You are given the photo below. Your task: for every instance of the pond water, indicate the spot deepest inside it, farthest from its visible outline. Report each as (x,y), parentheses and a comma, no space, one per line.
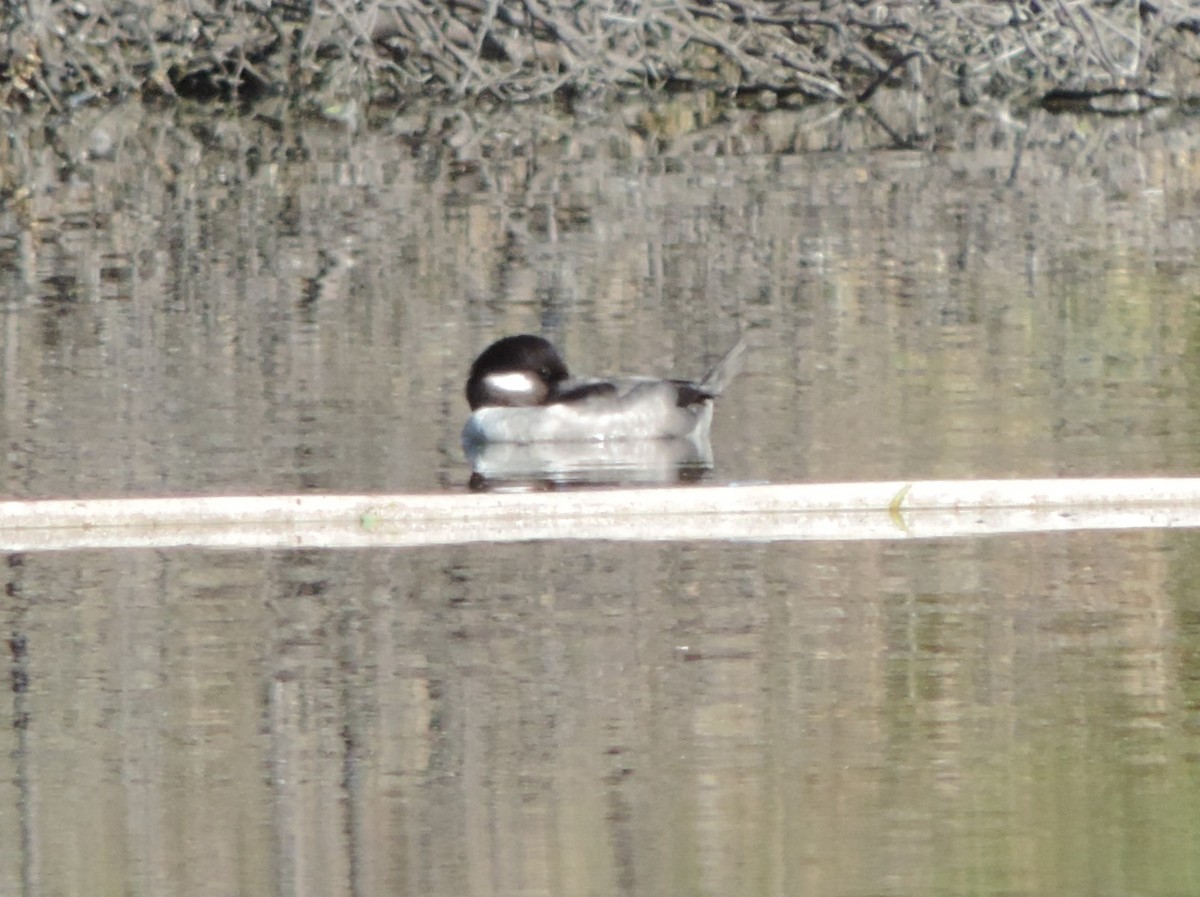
(233,308)
(243,306)
(1013,715)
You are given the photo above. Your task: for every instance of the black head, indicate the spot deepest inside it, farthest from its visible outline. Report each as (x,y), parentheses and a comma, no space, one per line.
(516,370)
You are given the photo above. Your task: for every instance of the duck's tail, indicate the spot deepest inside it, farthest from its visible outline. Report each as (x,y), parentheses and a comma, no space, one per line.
(723,372)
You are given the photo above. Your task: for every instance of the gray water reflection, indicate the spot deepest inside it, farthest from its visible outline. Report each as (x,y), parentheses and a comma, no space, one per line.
(253,307)
(248,306)
(1012,715)
(650,462)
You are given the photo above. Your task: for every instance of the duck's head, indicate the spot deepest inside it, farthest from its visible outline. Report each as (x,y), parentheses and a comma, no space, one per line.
(515,371)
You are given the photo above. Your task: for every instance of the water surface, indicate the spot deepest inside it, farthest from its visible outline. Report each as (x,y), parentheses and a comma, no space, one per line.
(244,306)
(1013,715)
(241,309)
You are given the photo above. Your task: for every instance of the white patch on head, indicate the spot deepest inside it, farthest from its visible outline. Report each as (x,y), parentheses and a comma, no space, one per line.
(513,381)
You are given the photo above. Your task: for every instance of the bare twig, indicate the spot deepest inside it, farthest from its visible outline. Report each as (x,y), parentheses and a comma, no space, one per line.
(527,48)
(485,23)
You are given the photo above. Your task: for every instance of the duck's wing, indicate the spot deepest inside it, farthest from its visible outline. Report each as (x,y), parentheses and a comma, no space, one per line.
(581,391)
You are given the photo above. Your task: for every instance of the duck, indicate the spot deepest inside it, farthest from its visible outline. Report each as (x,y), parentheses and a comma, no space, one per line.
(520,391)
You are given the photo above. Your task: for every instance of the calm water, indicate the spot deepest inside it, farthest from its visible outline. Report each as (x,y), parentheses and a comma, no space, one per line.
(244,310)
(237,307)
(1004,716)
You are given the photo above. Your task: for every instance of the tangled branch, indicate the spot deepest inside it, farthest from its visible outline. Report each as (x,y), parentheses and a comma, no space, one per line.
(805,50)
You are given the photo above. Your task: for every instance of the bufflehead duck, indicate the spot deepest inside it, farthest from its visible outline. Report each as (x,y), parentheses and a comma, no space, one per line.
(520,391)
